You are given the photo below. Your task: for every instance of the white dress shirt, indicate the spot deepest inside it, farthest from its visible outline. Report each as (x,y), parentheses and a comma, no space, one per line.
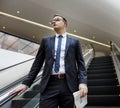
(62,54)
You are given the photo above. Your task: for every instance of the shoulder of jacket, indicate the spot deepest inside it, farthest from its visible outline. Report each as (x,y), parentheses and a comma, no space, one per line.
(75,39)
(47,37)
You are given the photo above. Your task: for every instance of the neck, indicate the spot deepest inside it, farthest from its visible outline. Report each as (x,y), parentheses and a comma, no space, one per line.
(60,31)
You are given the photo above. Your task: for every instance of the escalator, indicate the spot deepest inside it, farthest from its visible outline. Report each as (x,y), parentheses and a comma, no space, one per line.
(15,101)
(27,100)
(103,84)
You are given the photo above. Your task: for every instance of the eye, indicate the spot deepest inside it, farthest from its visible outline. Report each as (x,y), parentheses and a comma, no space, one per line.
(58,19)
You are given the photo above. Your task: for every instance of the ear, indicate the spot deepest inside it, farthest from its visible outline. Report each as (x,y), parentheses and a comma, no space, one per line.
(65,24)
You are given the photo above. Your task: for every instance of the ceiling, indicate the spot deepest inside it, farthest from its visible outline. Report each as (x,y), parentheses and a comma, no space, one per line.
(98,20)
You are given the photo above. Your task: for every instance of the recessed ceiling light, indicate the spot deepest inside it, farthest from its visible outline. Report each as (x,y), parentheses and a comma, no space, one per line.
(18,12)
(50,23)
(93,37)
(33,36)
(3,27)
(74,31)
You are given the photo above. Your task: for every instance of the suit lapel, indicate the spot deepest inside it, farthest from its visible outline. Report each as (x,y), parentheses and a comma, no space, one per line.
(67,44)
(52,45)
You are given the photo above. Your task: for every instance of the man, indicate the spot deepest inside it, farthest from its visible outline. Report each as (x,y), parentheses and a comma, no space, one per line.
(64,70)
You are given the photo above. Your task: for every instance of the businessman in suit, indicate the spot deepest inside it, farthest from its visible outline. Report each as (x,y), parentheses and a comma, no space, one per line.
(64,70)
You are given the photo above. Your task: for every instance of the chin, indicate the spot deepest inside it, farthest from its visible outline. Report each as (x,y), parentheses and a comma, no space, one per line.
(56,27)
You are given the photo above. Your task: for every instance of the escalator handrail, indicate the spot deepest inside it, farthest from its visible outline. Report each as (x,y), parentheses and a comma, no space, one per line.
(16,64)
(2,90)
(9,97)
(116,59)
(6,99)
(116,46)
(87,52)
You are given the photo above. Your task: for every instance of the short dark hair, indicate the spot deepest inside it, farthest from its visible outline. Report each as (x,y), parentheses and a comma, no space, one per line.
(64,19)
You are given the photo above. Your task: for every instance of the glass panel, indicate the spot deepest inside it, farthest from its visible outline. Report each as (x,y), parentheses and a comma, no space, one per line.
(10,43)
(16,44)
(1,39)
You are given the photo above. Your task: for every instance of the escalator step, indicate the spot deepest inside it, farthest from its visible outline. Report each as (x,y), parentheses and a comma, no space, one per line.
(103,90)
(19,102)
(102,82)
(100,71)
(102,76)
(101,61)
(100,64)
(103,100)
(100,67)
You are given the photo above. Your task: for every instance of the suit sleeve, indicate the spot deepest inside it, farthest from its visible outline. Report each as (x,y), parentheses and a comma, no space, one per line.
(81,64)
(37,64)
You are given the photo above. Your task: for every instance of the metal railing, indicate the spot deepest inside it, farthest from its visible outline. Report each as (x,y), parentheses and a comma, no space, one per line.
(115,52)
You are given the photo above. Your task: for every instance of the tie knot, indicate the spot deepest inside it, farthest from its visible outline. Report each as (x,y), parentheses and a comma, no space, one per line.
(60,36)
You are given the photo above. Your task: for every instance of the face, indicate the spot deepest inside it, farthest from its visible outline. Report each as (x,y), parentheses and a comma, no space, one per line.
(58,22)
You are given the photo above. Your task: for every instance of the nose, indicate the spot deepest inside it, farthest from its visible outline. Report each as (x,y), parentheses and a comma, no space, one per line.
(53,22)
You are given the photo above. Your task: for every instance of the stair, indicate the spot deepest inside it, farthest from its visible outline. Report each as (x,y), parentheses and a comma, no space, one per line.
(103,84)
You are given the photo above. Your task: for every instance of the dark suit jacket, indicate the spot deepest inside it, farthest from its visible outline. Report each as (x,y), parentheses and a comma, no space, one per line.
(74,64)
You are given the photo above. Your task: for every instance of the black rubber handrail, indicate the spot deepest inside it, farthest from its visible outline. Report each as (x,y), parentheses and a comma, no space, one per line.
(16,64)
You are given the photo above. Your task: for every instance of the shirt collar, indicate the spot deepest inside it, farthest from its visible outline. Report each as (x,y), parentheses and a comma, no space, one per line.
(64,35)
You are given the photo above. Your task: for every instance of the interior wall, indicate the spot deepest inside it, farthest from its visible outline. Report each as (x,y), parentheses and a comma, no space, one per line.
(99,54)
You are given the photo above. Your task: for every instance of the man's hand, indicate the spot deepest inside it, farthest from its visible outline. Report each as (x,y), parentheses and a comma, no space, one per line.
(83,90)
(19,90)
